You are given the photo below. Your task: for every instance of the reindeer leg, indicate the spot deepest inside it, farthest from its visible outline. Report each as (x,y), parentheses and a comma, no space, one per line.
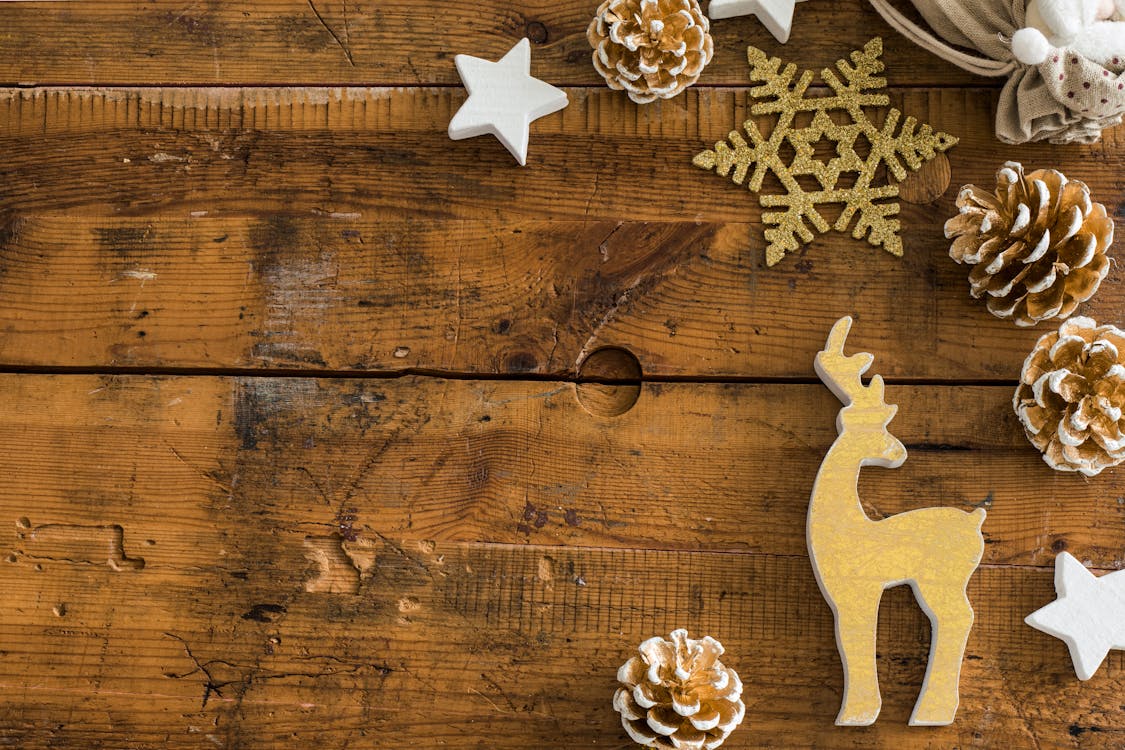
(951,619)
(857,616)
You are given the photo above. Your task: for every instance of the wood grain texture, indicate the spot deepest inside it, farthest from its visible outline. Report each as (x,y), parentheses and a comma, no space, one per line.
(340,229)
(347,149)
(345,561)
(485,647)
(437,542)
(387,42)
(690,466)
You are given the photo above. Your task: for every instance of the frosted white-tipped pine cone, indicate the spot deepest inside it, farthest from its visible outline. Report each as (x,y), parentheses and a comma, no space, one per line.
(1071,397)
(677,694)
(1037,243)
(653,49)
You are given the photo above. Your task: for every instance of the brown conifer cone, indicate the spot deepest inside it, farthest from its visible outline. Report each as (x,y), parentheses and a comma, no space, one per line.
(1071,396)
(1037,244)
(653,49)
(677,694)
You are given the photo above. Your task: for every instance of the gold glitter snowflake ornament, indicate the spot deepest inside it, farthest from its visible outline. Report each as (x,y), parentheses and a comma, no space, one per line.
(788,151)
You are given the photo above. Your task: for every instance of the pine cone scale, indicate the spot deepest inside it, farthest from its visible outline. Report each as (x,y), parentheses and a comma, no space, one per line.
(1080,251)
(1038,249)
(705,719)
(1049,304)
(1069,224)
(998,277)
(1040,278)
(1103,358)
(685,705)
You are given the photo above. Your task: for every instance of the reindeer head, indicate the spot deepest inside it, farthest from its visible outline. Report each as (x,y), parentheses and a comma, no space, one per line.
(865,415)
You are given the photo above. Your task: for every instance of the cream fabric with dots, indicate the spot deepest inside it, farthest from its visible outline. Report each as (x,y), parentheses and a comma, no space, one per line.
(1065,99)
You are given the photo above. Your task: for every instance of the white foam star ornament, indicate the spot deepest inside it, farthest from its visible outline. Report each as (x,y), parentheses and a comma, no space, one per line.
(503,99)
(1089,614)
(775,15)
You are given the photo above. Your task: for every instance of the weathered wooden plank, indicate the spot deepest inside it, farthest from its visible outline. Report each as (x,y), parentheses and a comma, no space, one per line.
(423,460)
(348,292)
(344,149)
(488,647)
(202,561)
(278,229)
(388,42)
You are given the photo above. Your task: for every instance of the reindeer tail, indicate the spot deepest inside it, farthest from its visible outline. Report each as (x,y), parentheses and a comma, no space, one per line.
(979,515)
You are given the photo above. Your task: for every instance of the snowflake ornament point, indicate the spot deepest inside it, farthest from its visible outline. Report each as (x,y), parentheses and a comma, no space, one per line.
(900,144)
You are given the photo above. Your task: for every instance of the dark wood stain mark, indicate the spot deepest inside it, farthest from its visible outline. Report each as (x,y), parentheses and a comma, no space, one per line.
(532,518)
(249,415)
(126,240)
(265,613)
(198,27)
(520,362)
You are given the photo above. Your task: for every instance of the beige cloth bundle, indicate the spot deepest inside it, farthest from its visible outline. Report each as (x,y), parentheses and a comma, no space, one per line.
(1065,99)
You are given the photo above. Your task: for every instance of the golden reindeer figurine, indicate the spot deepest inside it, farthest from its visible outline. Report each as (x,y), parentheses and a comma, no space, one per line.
(935,550)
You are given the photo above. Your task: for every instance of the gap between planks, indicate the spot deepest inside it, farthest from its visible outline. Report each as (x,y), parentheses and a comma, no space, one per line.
(416,372)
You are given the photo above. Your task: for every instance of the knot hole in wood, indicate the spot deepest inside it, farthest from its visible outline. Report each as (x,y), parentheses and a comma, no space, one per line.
(928,183)
(609,382)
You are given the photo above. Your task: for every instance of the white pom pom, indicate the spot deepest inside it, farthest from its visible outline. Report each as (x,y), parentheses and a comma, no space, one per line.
(1030,46)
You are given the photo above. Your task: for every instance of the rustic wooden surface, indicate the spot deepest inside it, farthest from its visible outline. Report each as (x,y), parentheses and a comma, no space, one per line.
(301,442)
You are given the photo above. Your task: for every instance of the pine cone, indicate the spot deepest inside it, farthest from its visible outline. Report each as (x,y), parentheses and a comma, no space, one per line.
(654,49)
(678,694)
(1071,397)
(1037,246)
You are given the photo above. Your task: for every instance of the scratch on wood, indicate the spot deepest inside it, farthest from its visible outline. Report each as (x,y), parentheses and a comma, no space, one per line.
(298,290)
(593,194)
(206,475)
(347,31)
(603,246)
(337,214)
(609,316)
(210,685)
(344,47)
(490,701)
(543,395)
(143,274)
(79,545)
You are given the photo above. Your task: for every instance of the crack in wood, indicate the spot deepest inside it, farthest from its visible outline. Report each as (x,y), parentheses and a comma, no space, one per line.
(335,36)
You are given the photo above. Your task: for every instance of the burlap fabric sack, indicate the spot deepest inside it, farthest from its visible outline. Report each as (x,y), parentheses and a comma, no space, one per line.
(1065,99)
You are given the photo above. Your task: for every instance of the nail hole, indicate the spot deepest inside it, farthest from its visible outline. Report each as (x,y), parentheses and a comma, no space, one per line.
(609,382)
(536,32)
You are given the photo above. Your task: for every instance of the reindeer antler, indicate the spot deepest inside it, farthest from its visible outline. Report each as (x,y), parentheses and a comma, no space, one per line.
(842,374)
